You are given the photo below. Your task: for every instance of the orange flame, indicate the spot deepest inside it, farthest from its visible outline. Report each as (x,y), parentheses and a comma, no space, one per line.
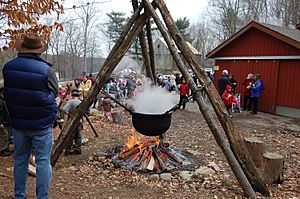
(138,140)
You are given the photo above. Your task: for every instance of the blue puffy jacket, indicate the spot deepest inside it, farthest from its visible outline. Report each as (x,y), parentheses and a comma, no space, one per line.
(30,91)
(257,88)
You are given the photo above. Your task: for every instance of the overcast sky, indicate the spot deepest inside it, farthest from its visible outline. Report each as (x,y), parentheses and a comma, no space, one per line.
(191,9)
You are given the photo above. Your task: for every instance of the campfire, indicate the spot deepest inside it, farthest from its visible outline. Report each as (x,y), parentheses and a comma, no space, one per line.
(149,154)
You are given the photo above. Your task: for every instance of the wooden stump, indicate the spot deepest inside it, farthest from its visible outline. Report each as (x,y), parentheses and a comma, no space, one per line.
(256,149)
(272,168)
(118,117)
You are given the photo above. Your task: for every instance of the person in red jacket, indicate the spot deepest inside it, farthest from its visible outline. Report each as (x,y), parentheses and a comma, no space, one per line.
(184,92)
(247,83)
(228,98)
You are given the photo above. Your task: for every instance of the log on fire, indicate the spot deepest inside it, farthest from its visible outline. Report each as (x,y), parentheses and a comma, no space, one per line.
(149,156)
(126,154)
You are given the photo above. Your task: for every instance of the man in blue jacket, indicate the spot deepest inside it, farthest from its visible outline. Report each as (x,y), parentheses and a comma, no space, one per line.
(256,90)
(30,89)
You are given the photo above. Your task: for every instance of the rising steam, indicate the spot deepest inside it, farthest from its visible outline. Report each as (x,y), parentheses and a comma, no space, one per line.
(152,99)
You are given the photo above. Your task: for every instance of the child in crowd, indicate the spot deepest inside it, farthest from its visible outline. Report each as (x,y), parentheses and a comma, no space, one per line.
(107,106)
(184,93)
(69,109)
(228,97)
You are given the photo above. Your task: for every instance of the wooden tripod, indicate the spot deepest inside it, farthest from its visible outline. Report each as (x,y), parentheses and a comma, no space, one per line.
(236,152)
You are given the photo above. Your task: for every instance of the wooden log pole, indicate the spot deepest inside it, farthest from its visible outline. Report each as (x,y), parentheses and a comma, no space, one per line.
(151,51)
(236,168)
(272,168)
(131,30)
(256,149)
(236,142)
(143,44)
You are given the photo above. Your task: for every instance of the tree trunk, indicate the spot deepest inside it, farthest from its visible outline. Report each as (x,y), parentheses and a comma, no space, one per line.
(143,46)
(256,149)
(272,168)
(236,142)
(120,48)
(237,170)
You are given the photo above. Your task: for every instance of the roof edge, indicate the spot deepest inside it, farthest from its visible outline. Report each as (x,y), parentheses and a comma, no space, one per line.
(260,27)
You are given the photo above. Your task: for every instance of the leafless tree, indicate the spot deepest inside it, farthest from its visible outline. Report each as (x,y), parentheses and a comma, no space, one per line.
(73,46)
(225,16)
(287,11)
(202,38)
(257,10)
(88,16)
(55,48)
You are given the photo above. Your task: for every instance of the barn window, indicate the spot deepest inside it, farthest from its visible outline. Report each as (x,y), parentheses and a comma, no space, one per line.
(158,46)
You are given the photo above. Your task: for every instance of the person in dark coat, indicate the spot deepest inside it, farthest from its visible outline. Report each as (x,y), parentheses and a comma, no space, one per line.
(233,82)
(32,108)
(223,81)
(177,79)
(195,79)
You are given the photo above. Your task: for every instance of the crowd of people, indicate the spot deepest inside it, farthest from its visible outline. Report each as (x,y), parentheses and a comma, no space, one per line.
(252,89)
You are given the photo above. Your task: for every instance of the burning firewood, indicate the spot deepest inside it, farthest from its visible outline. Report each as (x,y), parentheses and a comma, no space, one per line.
(149,155)
(151,164)
(160,161)
(129,153)
(169,154)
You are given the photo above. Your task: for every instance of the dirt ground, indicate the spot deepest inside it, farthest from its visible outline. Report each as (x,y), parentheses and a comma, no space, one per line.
(81,176)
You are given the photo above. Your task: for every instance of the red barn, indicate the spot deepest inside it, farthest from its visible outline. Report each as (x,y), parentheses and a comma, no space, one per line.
(273,52)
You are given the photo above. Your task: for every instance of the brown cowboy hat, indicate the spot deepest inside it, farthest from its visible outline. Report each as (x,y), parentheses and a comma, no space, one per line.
(32,43)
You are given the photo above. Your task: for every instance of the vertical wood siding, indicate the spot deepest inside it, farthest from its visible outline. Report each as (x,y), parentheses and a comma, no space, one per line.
(289,84)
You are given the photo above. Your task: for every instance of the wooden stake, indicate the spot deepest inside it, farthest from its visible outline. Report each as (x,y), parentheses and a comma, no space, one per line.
(91,125)
(203,108)
(236,142)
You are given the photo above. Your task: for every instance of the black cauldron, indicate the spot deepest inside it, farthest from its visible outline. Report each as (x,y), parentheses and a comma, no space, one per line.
(151,124)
